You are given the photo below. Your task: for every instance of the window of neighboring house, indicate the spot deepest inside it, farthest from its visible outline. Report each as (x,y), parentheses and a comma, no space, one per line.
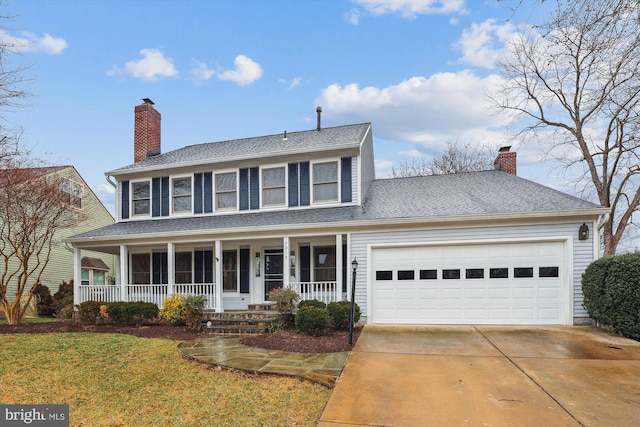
(226,189)
(141,197)
(72,193)
(325,264)
(140,269)
(182,194)
(183,267)
(325,182)
(273,187)
(85,277)
(230,271)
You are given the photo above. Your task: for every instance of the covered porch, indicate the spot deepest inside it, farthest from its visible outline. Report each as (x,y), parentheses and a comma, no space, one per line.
(232,273)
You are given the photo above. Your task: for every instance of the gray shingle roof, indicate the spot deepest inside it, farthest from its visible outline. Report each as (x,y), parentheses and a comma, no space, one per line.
(255,147)
(456,195)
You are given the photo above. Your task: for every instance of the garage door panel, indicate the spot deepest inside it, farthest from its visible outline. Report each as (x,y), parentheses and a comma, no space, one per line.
(488,294)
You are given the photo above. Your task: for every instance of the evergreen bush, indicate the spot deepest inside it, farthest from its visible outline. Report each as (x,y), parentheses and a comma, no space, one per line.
(340,313)
(311,303)
(312,320)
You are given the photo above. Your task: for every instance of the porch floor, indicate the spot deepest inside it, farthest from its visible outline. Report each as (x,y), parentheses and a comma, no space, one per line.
(226,351)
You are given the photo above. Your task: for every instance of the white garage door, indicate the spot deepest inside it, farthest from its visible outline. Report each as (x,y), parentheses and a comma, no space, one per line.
(515,283)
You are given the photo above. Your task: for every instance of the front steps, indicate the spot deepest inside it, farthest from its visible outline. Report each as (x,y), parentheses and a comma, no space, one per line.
(255,320)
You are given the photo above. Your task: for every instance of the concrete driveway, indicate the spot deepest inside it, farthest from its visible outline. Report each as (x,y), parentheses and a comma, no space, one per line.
(488,376)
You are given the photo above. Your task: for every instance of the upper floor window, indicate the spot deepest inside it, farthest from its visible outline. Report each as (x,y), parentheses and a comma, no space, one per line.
(72,193)
(226,189)
(325,182)
(141,197)
(182,194)
(273,186)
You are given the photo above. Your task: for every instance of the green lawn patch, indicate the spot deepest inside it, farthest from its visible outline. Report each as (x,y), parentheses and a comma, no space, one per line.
(122,380)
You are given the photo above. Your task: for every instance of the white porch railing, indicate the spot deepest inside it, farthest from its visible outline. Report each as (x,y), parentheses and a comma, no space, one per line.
(155,294)
(322,291)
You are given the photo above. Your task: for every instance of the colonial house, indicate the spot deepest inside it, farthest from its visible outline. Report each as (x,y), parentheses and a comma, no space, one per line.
(95,266)
(234,219)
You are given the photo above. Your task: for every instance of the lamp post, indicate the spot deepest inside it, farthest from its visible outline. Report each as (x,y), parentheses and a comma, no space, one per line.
(354,267)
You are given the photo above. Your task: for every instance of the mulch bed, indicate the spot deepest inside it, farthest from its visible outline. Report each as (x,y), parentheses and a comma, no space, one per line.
(333,341)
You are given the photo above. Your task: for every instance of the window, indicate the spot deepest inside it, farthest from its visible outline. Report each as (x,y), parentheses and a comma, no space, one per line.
(325,264)
(230,271)
(548,272)
(85,277)
(406,274)
(183,267)
(450,274)
(182,194)
(226,191)
(141,198)
(474,273)
(140,269)
(325,182)
(203,260)
(92,276)
(499,273)
(428,274)
(384,275)
(72,193)
(273,188)
(523,272)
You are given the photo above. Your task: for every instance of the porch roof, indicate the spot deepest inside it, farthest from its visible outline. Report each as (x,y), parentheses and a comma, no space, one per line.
(489,195)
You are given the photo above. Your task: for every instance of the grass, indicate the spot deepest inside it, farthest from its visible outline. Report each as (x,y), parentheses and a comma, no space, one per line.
(3,321)
(122,380)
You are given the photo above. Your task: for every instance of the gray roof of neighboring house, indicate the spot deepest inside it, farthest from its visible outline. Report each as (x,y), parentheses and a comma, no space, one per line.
(455,195)
(255,147)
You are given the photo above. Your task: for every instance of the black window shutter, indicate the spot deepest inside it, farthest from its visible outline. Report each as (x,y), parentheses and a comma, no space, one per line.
(124,202)
(155,197)
(198,261)
(293,184)
(305,194)
(208,193)
(345,172)
(305,263)
(165,195)
(345,268)
(254,187)
(245,266)
(197,193)
(208,266)
(244,189)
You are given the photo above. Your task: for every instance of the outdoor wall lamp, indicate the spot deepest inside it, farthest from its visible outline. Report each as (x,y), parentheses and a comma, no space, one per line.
(354,267)
(583,232)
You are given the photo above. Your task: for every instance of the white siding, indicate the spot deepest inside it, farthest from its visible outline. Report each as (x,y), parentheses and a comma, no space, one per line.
(582,250)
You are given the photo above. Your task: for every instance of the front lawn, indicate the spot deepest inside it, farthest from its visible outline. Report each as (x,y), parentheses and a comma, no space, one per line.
(122,380)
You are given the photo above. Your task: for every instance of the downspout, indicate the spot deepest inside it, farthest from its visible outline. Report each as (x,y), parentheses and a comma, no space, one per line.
(108,178)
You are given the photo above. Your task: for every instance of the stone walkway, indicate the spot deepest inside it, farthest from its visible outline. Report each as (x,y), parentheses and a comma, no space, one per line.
(226,351)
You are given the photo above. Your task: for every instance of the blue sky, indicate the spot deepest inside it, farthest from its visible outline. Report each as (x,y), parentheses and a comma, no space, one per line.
(218,70)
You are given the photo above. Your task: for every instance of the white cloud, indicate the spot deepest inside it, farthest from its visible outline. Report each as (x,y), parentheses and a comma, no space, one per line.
(153,65)
(31,43)
(411,153)
(246,72)
(200,72)
(353,17)
(410,9)
(483,44)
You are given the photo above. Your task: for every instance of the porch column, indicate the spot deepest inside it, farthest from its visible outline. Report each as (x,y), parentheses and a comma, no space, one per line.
(218,258)
(77,274)
(171,267)
(124,277)
(338,294)
(286,254)
(116,270)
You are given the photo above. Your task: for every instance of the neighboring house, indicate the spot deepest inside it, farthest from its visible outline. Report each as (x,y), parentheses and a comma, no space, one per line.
(235,219)
(80,196)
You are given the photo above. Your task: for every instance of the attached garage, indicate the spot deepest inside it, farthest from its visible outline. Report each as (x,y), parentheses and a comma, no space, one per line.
(519,282)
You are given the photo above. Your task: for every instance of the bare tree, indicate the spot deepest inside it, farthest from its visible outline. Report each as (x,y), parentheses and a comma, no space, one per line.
(454,160)
(576,83)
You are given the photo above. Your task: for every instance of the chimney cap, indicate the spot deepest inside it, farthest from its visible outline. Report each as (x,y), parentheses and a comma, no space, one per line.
(147,101)
(504,149)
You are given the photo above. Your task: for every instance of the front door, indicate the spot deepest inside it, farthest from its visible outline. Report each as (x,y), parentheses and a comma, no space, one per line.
(273,270)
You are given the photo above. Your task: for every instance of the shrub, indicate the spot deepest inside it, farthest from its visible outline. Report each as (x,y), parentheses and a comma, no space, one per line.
(63,297)
(89,312)
(312,320)
(286,300)
(340,312)
(312,303)
(44,300)
(611,288)
(132,313)
(66,313)
(195,310)
(183,310)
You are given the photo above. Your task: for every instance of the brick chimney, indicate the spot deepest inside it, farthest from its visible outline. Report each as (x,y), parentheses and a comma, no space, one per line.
(146,131)
(506,161)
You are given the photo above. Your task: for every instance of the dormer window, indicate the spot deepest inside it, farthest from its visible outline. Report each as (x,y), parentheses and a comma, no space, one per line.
(273,187)
(226,191)
(325,182)
(141,197)
(182,194)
